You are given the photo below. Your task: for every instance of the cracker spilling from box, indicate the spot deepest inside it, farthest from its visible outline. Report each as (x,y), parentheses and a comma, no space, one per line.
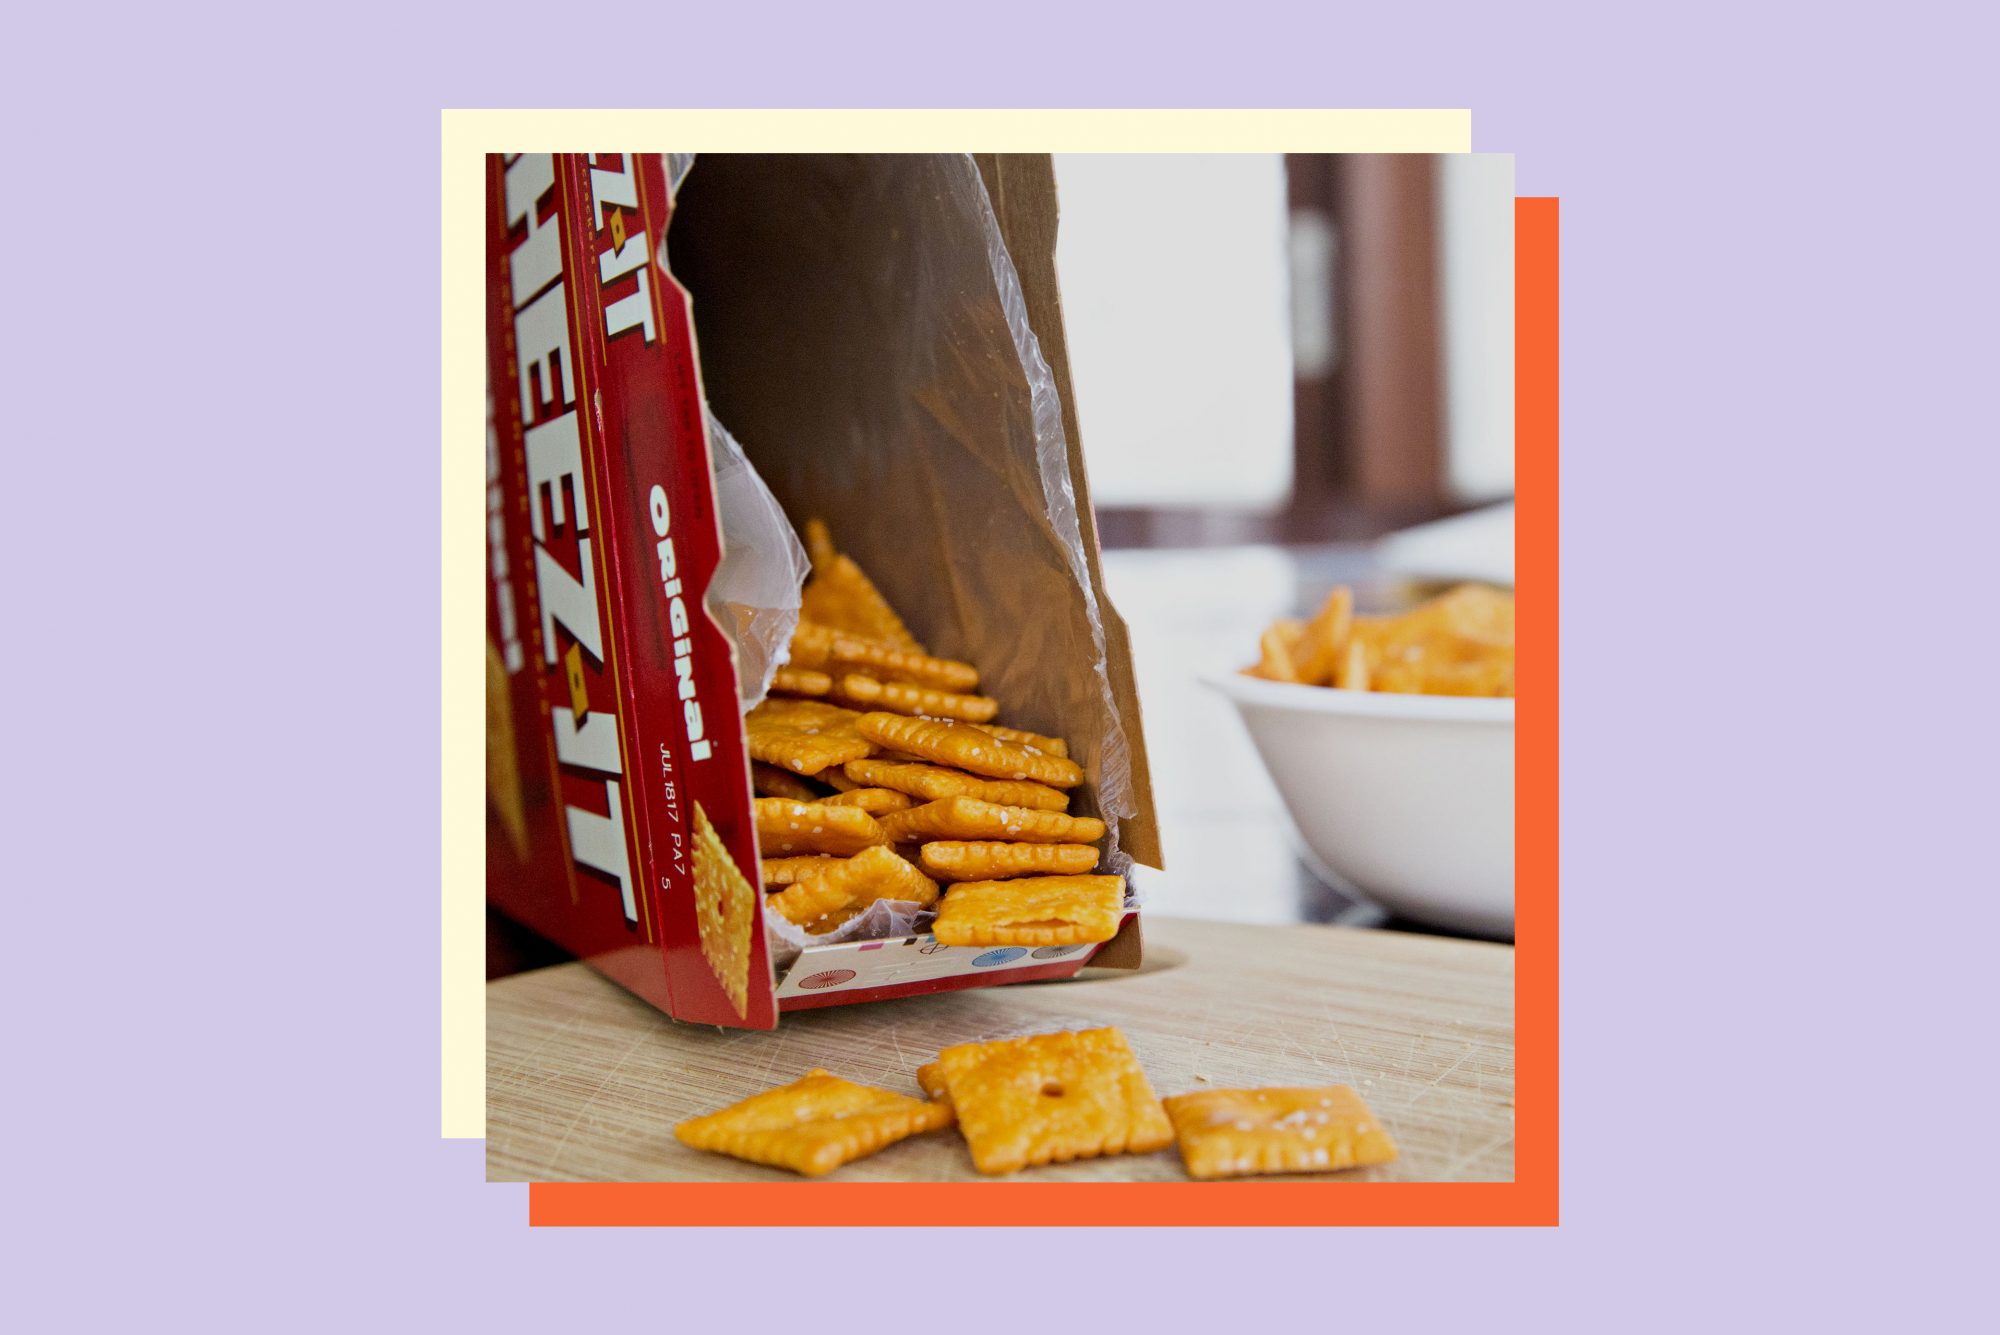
(887,348)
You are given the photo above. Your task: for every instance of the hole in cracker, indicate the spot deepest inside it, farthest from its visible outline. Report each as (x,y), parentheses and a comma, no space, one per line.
(1052,1089)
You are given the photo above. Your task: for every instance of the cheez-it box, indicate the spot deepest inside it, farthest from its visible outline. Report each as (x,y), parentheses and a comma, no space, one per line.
(886,345)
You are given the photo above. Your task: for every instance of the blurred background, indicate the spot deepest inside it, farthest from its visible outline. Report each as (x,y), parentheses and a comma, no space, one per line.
(1331,364)
(1335,347)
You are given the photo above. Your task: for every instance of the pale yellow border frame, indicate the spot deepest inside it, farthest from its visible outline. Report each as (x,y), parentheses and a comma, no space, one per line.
(467,136)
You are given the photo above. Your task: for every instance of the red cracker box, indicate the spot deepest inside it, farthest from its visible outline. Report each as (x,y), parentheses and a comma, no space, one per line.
(868,329)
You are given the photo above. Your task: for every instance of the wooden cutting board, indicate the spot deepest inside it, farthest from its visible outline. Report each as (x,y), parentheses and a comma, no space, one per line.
(584,1081)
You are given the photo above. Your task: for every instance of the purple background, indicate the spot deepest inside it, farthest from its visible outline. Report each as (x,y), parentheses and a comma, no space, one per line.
(222,376)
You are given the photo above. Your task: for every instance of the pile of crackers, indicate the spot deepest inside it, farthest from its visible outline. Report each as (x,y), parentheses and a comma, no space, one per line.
(1458,643)
(1048,1098)
(880,772)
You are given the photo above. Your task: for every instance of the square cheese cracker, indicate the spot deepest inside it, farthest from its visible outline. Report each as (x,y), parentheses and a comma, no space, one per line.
(1234,1132)
(1031,911)
(1050,1098)
(813,1125)
(786,828)
(803,736)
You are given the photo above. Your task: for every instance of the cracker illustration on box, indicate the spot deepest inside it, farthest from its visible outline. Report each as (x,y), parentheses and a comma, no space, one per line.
(723,904)
(503,756)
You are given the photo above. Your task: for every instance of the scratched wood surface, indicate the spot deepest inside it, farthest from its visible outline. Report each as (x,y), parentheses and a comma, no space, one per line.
(585,1082)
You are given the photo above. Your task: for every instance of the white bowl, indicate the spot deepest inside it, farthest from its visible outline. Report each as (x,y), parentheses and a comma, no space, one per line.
(1408,798)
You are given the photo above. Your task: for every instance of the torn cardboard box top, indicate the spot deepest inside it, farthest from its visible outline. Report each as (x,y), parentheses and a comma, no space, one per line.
(883,337)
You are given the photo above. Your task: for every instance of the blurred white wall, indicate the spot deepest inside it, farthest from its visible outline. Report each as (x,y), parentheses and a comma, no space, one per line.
(1176,302)
(1476,255)
(1176,288)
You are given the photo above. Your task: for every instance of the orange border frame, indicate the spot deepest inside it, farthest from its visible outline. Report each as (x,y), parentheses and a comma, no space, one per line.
(1532,1198)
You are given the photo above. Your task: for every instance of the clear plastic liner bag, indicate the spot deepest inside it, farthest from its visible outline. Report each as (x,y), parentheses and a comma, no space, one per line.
(880,920)
(755,593)
(676,166)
